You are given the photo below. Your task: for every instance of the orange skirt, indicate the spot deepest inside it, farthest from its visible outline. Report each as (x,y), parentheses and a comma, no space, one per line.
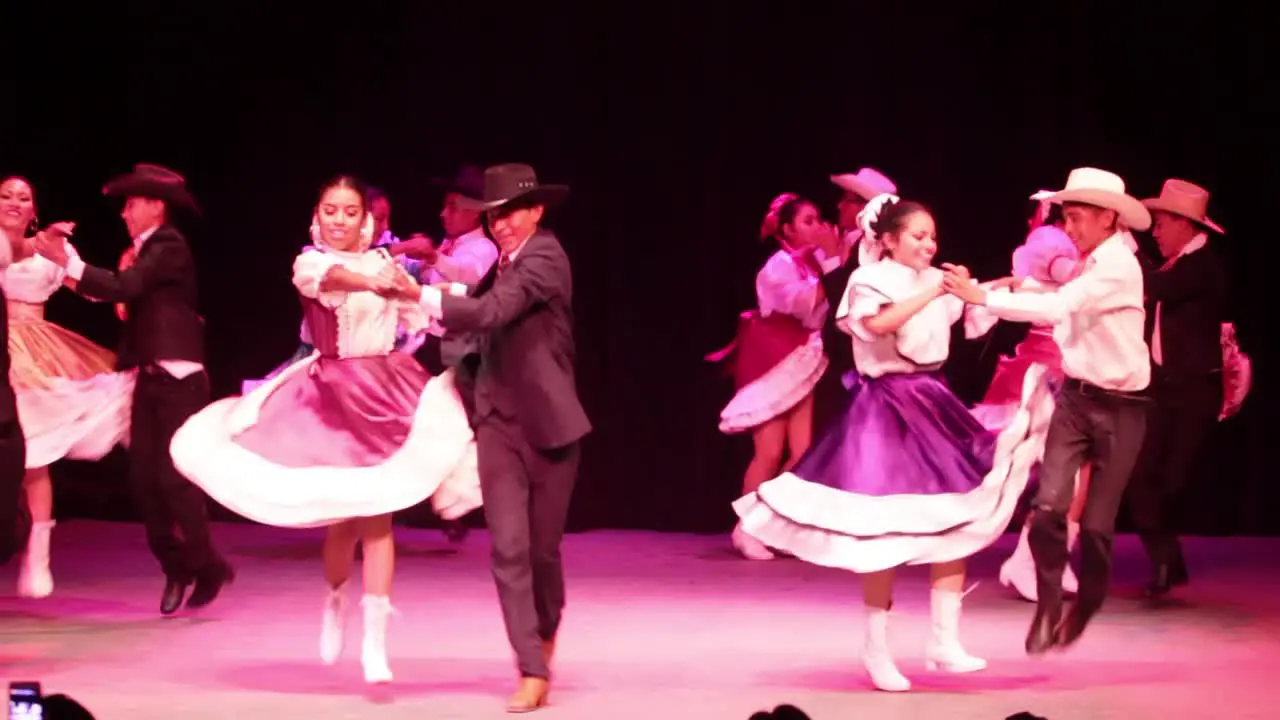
(40,351)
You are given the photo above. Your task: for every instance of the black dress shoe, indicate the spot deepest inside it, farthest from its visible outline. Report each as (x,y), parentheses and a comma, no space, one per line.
(171,600)
(1072,626)
(1043,635)
(1165,579)
(209,584)
(456,530)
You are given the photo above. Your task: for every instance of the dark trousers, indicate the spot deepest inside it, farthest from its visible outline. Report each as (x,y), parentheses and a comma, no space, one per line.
(526,501)
(166,500)
(15,521)
(1182,415)
(1106,429)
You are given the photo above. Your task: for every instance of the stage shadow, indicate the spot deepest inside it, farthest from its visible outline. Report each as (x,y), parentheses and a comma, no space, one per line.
(1002,676)
(414,678)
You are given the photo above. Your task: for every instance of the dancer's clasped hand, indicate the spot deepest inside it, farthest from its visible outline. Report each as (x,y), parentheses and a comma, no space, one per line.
(957,281)
(52,241)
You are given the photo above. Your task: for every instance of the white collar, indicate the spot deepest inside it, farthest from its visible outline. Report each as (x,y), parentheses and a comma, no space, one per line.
(142,237)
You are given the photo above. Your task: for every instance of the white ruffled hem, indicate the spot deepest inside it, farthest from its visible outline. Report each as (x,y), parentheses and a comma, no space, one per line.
(76,419)
(777,391)
(437,460)
(864,534)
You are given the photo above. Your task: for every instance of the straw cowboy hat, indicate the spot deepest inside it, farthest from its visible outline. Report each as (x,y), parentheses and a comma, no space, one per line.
(866,183)
(1186,200)
(1091,186)
(514,182)
(155,182)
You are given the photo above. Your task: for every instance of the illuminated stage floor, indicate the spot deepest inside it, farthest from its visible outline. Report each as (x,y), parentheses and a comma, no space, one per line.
(669,626)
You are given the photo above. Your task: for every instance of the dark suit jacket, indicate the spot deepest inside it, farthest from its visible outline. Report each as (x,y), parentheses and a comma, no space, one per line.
(835,342)
(1193,298)
(160,295)
(526,367)
(8,404)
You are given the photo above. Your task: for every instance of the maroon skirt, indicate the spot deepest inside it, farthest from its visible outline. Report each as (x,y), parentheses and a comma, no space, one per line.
(761,343)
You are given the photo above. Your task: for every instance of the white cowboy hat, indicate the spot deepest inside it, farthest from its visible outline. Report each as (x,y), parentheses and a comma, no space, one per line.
(1184,199)
(1091,186)
(866,184)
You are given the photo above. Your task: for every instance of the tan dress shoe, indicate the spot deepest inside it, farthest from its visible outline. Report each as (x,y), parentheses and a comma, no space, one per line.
(531,695)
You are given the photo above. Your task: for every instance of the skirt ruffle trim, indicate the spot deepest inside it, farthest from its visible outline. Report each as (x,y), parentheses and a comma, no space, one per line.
(777,391)
(437,461)
(76,419)
(861,533)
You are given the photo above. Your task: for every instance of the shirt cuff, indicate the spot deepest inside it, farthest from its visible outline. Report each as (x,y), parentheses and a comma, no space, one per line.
(75,268)
(430,301)
(830,264)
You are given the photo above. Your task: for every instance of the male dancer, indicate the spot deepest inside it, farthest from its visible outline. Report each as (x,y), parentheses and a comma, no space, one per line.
(1101,410)
(163,337)
(1187,303)
(837,265)
(527,415)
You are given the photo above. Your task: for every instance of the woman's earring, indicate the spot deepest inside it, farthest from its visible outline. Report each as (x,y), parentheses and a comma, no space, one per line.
(315,233)
(34,227)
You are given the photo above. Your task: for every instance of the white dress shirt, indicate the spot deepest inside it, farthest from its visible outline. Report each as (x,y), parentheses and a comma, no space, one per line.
(1097,318)
(1198,242)
(465,259)
(177,368)
(430,297)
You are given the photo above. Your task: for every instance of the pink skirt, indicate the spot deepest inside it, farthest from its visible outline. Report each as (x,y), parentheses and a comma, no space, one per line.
(330,439)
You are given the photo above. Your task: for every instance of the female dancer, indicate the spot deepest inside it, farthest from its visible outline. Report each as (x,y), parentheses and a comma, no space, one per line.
(70,403)
(777,358)
(907,475)
(347,436)
(1048,258)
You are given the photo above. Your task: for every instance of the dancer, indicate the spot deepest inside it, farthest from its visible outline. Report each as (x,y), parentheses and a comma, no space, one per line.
(859,189)
(777,358)
(1100,414)
(907,476)
(15,521)
(528,418)
(163,339)
(70,403)
(343,438)
(1187,304)
(1046,260)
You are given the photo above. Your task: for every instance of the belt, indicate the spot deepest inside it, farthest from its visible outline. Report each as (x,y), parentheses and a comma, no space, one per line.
(1088,389)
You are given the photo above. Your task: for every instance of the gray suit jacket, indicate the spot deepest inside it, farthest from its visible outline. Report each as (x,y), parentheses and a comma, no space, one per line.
(527,351)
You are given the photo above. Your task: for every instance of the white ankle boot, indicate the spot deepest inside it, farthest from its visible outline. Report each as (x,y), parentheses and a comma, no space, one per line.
(1019,571)
(334,624)
(876,657)
(944,651)
(751,548)
(34,578)
(373,653)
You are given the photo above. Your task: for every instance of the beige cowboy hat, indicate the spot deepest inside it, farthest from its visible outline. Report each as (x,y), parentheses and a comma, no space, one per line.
(1091,186)
(1185,199)
(866,183)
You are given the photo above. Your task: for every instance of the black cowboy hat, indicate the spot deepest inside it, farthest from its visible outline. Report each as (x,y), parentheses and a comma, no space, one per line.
(155,182)
(515,182)
(469,182)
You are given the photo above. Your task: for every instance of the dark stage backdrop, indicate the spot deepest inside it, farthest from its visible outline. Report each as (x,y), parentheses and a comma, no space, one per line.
(675,124)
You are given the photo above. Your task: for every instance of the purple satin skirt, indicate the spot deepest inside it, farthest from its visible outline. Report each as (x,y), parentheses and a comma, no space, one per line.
(902,434)
(340,412)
